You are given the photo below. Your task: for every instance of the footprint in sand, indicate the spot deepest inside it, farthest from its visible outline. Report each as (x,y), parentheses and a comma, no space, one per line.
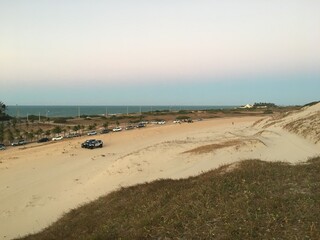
(33,201)
(6,213)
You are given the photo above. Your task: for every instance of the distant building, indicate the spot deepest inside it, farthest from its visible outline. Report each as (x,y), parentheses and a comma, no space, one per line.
(247,106)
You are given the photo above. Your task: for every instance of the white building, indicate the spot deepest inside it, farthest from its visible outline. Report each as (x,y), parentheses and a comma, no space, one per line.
(247,106)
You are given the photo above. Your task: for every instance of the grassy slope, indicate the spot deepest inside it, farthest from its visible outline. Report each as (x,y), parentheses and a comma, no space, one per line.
(257,200)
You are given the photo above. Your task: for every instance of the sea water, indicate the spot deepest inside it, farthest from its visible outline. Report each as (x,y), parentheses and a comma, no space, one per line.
(74,111)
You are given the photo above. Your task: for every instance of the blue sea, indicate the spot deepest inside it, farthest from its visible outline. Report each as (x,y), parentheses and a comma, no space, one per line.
(74,111)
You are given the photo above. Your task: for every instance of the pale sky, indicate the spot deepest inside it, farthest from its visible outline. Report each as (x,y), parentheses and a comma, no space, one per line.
(150,52)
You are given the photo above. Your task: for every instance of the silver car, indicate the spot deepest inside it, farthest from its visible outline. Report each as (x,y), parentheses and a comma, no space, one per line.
(92,133)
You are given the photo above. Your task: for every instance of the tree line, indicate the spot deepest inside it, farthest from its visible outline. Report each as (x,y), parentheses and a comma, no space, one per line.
(12,128)
(262,104)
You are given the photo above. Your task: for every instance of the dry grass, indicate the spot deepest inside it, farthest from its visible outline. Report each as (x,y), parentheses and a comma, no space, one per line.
(237,143)
(256,200)
(215,146)
(308,127)
(258,122)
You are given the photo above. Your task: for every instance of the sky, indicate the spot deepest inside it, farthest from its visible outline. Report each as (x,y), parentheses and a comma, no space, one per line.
(159,52)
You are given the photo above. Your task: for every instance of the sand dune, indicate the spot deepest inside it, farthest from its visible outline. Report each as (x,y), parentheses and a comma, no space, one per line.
(39,183)
(304,122)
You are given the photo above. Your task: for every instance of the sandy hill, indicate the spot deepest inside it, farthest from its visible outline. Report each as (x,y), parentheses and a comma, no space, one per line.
(304,122)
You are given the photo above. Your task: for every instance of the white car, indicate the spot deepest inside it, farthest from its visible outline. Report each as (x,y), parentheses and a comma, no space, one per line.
(92,133)
(176,121)
(162,122)
(117,129)
(57,138)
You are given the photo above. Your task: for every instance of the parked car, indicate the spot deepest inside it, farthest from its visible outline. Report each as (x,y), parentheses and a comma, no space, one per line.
(2,147)
(19,142)
(117,129)
(92,143)
(104,131)
(141,125)
(57,138)
(162,122)
(91,133)
(72,135)
(188,120)
(95,144)
(41,140)
(176,121)
(86,143)
(129,127)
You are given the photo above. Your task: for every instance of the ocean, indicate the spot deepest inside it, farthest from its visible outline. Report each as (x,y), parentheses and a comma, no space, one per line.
(74,111)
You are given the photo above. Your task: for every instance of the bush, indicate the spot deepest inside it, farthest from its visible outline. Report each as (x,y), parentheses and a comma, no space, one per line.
(182,117)
(268,112)
(60,120)
(183,112)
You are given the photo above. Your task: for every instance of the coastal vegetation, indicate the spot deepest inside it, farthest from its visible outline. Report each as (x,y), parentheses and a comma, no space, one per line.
(3,115)
(2,107)
(265,104)
(32,127)
(311,103)
(248,200)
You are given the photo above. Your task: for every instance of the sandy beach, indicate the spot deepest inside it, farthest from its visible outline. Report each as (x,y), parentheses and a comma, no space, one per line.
(38,183)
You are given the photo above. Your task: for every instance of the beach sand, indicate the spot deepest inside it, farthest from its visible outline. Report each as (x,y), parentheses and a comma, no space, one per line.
(38,183)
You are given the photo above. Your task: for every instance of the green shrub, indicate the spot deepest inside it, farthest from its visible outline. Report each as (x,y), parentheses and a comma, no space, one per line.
(268,111)
(60,120)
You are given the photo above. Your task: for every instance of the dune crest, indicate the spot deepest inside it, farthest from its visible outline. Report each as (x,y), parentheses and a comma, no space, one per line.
(304,122)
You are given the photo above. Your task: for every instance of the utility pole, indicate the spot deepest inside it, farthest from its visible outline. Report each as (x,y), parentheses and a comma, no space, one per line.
(78,111)
(18,112)
(127,110)
(39,116)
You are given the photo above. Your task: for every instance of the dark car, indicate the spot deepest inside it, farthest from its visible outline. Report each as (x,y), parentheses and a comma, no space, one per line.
(141,125)
(104,131)
(92,143)
(41,140)
(86,143)
(129,127)
(2,147)
(19,142)
(95,144)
